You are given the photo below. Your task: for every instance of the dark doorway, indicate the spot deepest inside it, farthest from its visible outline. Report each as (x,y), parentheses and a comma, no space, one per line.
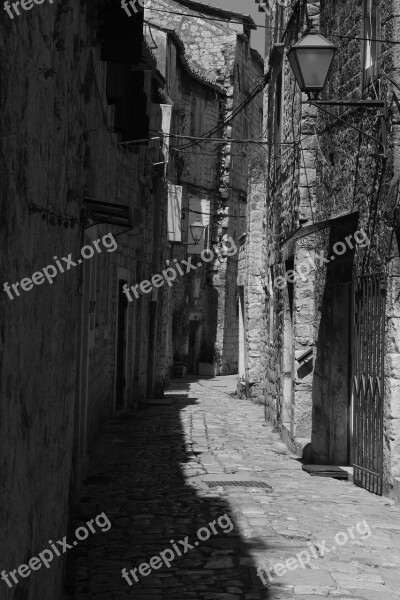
(121,346)
(331,422)
(194,338)
(152,348)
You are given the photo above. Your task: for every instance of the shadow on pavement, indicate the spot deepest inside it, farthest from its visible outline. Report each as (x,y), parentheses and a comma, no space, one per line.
(137,479)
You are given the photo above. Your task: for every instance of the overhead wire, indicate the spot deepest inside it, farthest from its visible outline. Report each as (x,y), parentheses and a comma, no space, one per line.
(258,26)
(197,212)
(347,124)
(254,92)
(263,80)
(195,153)
(256,141)
(223,140)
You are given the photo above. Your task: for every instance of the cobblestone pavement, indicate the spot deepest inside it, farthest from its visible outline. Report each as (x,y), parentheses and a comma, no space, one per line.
(149,472)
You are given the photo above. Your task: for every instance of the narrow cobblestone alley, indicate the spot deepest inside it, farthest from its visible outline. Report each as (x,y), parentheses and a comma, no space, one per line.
(149,475)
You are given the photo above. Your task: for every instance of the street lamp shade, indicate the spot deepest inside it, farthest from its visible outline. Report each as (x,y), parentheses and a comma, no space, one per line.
(197,229)
(310,59)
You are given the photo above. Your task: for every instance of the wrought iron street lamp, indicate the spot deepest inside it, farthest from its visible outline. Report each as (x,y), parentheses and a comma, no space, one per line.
(311,59)
(197,229)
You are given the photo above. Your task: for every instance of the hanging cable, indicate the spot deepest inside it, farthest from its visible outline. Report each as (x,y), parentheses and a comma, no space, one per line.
(258,26)
(347,124)
(222,140)
(255,91)
(196,212)
(196,153)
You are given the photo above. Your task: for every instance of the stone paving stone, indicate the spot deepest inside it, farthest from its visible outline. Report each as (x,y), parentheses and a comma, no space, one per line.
(148,475)
(319,590)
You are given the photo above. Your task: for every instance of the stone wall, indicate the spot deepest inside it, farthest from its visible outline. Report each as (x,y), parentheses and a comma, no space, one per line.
(251,279)
(122,174)
(247,73)
(205,41)
(353,174)
(217,52)
(196,107)
(43,153)
(56,149)
(332,169)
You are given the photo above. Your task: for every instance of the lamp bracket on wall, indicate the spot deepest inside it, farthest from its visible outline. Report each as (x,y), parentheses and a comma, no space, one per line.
(380,104)
(361,103)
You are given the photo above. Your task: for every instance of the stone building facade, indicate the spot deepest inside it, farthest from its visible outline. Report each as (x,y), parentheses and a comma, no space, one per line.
(192,103)
(329,378)
(80,94)
(250,282)
(213,174)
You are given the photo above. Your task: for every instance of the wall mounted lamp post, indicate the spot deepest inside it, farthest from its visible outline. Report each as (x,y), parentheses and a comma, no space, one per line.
(197,230)
(311,61)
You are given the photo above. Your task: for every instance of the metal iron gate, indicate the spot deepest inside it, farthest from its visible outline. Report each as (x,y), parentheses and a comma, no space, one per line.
(368,337)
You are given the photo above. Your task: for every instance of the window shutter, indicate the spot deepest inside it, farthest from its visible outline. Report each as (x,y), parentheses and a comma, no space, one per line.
(174,213)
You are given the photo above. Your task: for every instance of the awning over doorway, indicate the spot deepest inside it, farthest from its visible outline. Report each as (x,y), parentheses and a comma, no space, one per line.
(108,213)
(288,243)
